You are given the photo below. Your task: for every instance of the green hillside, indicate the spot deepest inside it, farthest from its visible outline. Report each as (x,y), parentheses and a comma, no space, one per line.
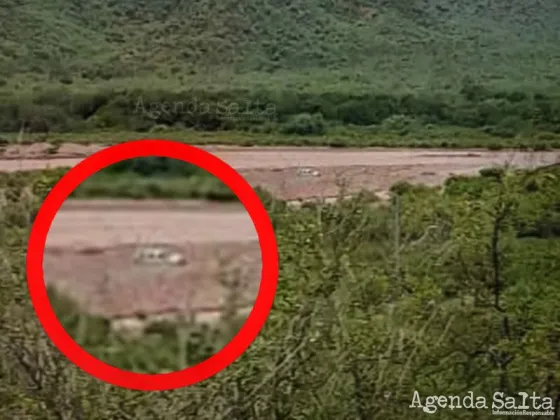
(414,44)
(76,65)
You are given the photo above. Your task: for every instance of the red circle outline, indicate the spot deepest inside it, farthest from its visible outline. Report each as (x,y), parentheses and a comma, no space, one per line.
(128,379)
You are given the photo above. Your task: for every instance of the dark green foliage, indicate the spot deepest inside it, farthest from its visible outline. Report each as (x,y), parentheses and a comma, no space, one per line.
(154,177)
(305,124)
(300,114)
(154,166)
(138,178)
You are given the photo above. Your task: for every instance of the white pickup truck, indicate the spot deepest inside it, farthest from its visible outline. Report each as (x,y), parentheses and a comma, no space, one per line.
(158,255)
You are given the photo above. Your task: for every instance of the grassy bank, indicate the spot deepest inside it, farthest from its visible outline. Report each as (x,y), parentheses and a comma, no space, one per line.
(139,178)
(195,187)
(154,177)
(428,137)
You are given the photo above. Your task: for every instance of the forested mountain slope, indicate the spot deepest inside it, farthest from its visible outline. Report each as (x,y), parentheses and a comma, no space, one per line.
(75,65)
(407,43)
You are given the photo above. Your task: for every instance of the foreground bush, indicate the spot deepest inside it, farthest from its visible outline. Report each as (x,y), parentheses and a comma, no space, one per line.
(442,292)
(134,178)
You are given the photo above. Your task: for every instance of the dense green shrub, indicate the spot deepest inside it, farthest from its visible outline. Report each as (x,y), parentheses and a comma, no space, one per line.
(305,124)
(154,177)
(501,114)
